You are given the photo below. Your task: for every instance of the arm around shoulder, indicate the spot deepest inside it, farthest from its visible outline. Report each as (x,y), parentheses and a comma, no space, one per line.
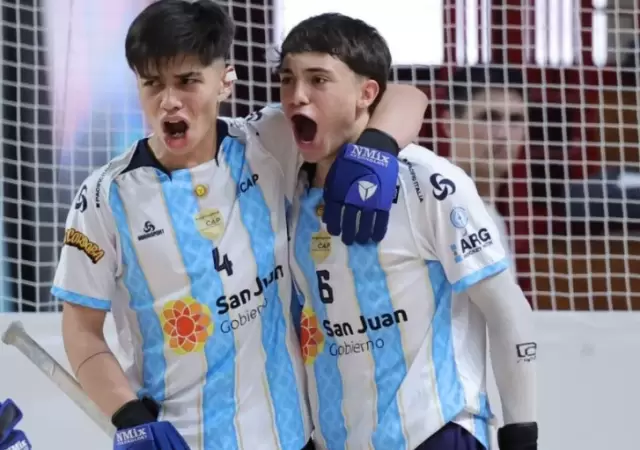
(400,113)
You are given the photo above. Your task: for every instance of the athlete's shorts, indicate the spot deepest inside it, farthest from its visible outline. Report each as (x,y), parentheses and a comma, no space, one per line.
(451,437)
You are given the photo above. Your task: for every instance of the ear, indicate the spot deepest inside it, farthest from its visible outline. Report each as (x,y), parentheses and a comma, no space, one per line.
(228,79)
(369,93)
(447,122)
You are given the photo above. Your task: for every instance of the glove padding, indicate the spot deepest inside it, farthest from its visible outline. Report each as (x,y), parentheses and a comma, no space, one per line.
(151,436)
(361,180)
(10,438)
(518,436)
(138,428)
(10,416)
(15,440)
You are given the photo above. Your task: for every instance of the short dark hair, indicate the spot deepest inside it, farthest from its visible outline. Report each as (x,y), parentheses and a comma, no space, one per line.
(170,29)
(354,42)
(466,82)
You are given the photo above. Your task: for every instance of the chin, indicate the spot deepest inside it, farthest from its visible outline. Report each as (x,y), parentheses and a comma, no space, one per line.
(312,153)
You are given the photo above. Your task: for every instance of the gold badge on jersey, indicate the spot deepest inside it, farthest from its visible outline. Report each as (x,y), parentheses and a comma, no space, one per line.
(320,246)
(201,190)
(210,223)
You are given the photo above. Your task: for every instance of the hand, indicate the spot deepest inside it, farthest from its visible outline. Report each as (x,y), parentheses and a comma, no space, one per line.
(150,436)
(138,428)
(361,180)
(10,416)
(16,440)
(518,436)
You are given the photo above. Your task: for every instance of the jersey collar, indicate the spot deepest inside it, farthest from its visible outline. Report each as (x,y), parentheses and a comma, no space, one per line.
(144,157)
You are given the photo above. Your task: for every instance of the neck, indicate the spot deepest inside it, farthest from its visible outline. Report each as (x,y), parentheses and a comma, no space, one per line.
(204,151)
(323,166)
(486,188)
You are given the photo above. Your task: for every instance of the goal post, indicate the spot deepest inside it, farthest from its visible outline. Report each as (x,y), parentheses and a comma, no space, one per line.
(70,104)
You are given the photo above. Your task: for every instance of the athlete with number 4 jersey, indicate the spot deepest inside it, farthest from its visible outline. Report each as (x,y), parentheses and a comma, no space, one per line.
(184,238)
(393,334)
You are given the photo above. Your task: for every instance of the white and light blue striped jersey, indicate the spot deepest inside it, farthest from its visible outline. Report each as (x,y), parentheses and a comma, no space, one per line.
(394,349)
(193,265)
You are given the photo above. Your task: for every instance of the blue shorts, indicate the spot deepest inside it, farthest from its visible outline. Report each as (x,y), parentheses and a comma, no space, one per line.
(451,437)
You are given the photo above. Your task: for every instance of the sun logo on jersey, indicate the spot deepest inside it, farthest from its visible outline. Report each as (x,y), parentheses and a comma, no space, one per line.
(186,324)
(311,338)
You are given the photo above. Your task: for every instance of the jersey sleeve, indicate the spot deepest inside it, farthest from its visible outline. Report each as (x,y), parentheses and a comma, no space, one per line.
(272,130)
(455,228)
(86,272)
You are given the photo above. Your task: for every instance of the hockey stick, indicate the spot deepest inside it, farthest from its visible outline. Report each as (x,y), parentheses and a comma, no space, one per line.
(18,337)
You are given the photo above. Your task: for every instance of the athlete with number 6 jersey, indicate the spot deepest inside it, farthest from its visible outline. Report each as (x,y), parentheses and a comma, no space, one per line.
(184,239)
(393,334)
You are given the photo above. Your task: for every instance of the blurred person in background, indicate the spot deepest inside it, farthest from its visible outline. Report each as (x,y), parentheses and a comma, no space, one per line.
(485,122)
(486,125)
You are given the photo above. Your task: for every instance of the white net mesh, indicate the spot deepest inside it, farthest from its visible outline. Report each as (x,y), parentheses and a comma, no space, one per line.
(69,104)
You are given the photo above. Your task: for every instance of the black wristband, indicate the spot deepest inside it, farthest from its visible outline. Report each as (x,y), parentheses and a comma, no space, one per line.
(518,436)
(379,140)
(136,412)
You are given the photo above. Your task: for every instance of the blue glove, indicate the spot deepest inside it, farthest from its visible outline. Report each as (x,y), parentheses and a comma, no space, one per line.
(16,440)
(138,428)
(361,180)
(10,438)
(150,436)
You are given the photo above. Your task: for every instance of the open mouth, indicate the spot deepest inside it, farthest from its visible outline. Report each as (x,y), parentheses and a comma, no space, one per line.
(175,129)
(305,129)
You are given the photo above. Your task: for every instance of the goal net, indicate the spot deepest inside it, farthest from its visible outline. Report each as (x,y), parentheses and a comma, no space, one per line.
(569,196)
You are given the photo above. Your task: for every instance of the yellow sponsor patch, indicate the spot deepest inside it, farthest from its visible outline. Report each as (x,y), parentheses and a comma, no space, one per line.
(320,246)
(210,223)
(79,240)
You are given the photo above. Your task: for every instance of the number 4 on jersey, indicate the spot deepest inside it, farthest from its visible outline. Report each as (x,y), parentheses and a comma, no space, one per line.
(225,265)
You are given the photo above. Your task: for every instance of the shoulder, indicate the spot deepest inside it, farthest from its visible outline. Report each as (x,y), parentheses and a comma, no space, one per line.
(434,176)
(271,118)
(96,186)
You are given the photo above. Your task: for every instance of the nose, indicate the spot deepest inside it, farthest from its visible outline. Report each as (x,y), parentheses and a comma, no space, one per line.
(299,95)
(501,130)
(170,100)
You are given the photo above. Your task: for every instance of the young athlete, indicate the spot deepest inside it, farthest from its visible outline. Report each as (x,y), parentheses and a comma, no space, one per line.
(393,334)
(184,239)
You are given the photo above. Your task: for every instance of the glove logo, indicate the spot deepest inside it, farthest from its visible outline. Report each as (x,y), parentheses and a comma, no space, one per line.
(366,189)
(22,445)
(442,187)
(370,155)
(130,436)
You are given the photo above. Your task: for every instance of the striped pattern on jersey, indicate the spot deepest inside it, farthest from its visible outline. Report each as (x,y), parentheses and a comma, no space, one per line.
(392,352)
(203,298)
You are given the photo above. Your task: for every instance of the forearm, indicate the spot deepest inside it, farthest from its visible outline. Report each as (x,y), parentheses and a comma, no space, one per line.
(92,362)
(512,344)
(104,381)
(400,113)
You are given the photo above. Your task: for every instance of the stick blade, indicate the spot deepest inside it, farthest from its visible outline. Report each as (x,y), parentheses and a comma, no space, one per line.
(14,329)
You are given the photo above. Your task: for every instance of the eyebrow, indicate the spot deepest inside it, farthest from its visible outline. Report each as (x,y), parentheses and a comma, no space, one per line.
(190,74)
(312,70)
